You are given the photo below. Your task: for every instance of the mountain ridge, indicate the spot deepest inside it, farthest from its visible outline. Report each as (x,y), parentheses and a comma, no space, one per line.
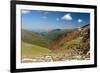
(69,41)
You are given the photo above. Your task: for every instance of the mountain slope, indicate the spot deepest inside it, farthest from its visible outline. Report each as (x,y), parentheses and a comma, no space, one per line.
(53,34)
(34,38)
(75,42)
(31,50)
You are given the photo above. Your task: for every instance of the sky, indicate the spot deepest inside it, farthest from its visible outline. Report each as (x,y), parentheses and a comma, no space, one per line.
(49,20)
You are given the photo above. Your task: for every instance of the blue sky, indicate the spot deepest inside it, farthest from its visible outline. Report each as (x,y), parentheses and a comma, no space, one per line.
(49,20)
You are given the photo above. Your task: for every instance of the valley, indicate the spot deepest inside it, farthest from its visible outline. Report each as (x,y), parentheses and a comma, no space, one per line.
(56,45)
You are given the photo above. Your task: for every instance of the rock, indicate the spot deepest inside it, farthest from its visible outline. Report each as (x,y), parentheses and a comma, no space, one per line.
(48,58)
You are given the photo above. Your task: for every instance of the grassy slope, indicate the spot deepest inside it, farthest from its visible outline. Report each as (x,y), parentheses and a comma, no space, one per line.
(30,50)
(52,35)
(34,38)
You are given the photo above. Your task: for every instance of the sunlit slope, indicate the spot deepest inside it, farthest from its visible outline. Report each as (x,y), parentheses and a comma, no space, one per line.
(34,38)
(30,50)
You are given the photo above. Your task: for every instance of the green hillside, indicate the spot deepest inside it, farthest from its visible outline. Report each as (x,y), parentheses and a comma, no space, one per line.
(34,38)
(30,50)
(52,35)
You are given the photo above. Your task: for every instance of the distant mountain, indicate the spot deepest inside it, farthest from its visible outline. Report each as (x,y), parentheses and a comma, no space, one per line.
(34,38)
(53,34)
(42,38)
(86,26)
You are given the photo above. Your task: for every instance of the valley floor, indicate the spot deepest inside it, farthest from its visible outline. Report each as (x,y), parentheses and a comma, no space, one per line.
(34,53)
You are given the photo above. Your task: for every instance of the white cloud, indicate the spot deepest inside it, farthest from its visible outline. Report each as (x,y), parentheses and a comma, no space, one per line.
(25,11)
(57,19)
(44,17)
(79,20)
(67,17)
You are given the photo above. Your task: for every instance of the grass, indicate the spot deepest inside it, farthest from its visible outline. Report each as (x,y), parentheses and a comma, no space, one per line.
(30,50)
(34,51)
(68,53)
(34,38)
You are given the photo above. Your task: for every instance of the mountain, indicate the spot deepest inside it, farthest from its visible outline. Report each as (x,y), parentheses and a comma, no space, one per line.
(41,38)
(86,26)
(53,34)
(34,38)
(73,42)
(60,44)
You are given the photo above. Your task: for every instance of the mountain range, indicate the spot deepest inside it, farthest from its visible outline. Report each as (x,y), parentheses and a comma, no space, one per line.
(69,42)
